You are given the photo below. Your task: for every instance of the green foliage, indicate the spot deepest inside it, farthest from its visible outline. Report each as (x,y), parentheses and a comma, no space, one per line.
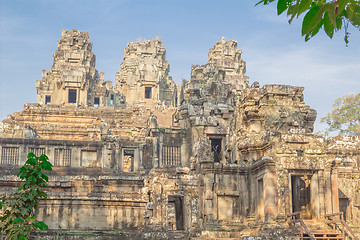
(328,15)
(345,116)
(17,210)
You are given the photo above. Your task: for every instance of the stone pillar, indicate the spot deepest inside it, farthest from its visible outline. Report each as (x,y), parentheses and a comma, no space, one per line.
(252,194)
(136,159)
(141,154)
(321,188)
(161,163)
(244,195)
(335,191)
(328,192)
(155,153)
(270,195)
(314,198)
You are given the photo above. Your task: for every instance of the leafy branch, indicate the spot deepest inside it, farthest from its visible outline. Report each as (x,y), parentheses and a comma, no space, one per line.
(17,216)
(330,15)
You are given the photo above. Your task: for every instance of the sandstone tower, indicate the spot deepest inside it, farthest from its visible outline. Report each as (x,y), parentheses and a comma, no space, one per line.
(73,76)
(144,75)
(227,56)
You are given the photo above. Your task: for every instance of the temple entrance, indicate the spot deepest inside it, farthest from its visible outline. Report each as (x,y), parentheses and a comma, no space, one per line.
(344,203)
(301,195)
(175,213)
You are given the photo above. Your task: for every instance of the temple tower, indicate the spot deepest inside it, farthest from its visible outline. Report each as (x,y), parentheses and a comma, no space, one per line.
(226,56)
(73,76)
(144,75)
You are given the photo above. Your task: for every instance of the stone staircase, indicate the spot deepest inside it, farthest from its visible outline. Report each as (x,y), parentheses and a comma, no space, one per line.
(329,229)
(226,232)
(318,231)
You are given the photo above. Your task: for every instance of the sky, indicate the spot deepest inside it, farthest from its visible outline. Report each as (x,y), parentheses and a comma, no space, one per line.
(274,51)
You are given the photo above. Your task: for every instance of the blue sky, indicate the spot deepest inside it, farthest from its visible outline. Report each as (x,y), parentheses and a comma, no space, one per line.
(274,51)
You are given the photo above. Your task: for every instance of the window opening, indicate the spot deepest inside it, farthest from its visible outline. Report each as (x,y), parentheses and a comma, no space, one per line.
(47,99)
(37,151)
(299,153)
(62,157)
(147,92)
(96,101)
(216,148)
(112,99)
(72,96)
(171,155)
(128,160)
(10,155)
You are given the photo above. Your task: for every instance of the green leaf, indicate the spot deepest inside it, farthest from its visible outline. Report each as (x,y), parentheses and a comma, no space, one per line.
(311,19)
(353,15)
(338,22)
(44,176)
(330,9)
(342,5)
(31,155)
(281,6)
(328,26)
(17,220)
(317,28)
(43,157)
(46,166)
(40,225)
(303,6)
(292,11)
(31,161)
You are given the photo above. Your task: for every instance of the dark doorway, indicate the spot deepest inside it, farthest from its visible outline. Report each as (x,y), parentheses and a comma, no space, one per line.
(300,192)
(175,213)
(72,96)
(147,92)
(343,206)
(112,99)
(47,99)
(260,194)
(344,203)
(96,101)
(216,148)
(128,160)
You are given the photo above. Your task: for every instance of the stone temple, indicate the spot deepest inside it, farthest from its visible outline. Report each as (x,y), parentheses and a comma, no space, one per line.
(146,158)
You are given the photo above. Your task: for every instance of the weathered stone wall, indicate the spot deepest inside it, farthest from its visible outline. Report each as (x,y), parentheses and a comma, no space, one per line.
(144,76)
(229,161)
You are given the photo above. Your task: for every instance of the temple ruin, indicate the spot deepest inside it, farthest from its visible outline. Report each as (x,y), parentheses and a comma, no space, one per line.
(147,158)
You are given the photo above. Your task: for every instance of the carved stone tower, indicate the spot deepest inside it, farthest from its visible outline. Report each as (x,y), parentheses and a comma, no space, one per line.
(73,76)
(227,56)
(143,76)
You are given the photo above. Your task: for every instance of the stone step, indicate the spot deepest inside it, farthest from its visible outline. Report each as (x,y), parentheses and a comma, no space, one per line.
(322,236)
(222,234)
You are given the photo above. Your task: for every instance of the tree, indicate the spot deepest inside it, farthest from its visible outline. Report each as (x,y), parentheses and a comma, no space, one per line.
(17,218)
(345,116)
(331,15)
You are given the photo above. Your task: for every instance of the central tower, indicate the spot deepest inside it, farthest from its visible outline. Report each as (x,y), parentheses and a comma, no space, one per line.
(144,75)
